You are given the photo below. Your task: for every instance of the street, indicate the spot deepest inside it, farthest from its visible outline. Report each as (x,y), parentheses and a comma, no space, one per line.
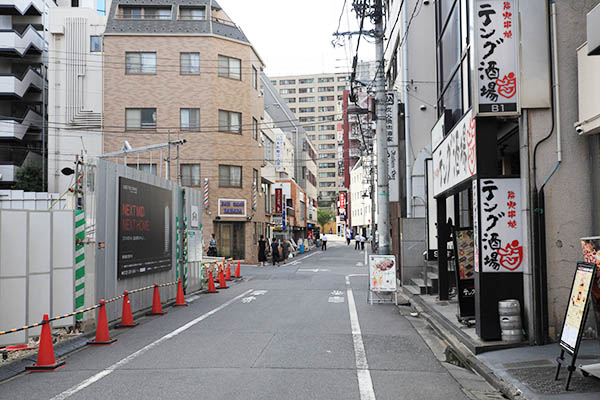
(285,332)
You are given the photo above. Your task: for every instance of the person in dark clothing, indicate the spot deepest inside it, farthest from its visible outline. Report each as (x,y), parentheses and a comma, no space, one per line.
(275,251)
(212,246)
(357,242)
(262,250)
(324,243)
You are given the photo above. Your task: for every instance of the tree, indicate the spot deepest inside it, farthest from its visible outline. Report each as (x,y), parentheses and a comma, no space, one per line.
(324,216)
(29,178)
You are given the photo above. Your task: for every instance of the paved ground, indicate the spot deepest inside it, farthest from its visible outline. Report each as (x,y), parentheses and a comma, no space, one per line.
(290,332)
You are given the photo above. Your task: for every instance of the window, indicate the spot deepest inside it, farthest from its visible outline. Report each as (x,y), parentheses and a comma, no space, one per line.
(326,127)
(131,12)
(326,98)
(327,146)
(326,174)
(147,168)
(293,110)
(254,129)
(190,119)
(269,148)
(157,13)
(306,90)
(307,109)
(326,137)
(255,178)
(189,63)
(311,137)
(326,118)
(192,13)
(140,63)
(343,79)
(230,121)
(140,118)
(340,97)
(266,189)
(326,89)
(327,165)
(287,91)
(341,88)
(306,81)
(273,83)
(287,82)
(254,78)
(95,44)
(326,184)
(290,100)
(326,155)
(190,174)
(306,119)
(325,80)
(326,108)
(309,128)
(230,176)
(230,67)
(307,99)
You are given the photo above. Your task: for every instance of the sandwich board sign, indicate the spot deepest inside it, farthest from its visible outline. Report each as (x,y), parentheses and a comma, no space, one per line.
(382,276)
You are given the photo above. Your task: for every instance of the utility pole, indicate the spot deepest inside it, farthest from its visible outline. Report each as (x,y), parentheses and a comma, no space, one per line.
(383,225)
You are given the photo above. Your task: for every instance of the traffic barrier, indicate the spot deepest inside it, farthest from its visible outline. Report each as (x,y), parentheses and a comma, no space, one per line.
(46,360)
(156,304)
(222,283)
(211,283)
(102,334)
(126,316)
(237,270)
(180,300)
(228,272)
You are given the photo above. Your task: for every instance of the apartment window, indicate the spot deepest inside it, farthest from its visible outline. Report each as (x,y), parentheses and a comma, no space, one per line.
(325,80)
(255,178)
(343,79)
(326,89)
(341,88)
(311,137)
(230,121)
(326,108)
(131,12)
(306,119)
(326,98)
(290,100)
(326,118)
(192,13)
(287,91)
(326,165)
(190,119)
(327,146)
(307,109)
(306,90)
(274,83)
(140,118)
(326,137)
(287,82)
(230,176)
(293,110)
(326,174)
(309,129)
(307,99)
(230,67)
(254,78)
(326,127)
(140,63)
(326,184)
(269,148)
(254,129)
(189,63)
(157,13)
(326,155)
(266,189)
(190,174)
(306,81)
(95,44)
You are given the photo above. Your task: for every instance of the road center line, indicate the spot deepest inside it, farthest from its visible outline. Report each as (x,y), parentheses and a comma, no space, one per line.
(365,385)
(70,392)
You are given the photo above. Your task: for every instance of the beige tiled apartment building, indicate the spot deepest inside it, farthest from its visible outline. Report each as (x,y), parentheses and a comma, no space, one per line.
(317,102)
(183,67)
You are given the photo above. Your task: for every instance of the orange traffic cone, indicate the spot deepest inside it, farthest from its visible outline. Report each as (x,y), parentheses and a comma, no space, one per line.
(222,283)
(102,334)
(156,305)
(180,300)
(211,283)
(237,270)
(45,360)
(228,273)
(126,317)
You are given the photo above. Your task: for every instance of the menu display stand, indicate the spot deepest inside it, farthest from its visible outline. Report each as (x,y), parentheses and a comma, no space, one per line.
(465,273)
(382,279)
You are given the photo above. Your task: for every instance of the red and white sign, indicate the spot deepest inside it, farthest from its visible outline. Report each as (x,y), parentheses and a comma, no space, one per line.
(500,240)
(278,201)
(342,201)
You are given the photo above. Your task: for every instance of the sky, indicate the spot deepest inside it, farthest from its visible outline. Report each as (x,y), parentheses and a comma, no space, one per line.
(294,37)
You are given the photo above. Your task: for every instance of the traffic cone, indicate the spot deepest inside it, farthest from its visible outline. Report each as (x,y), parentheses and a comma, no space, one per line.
(222,283)
(211,283)
(156,305)
(180,300)
(45,360)
(237,270)
(228,273)
(126,317)
(102,334)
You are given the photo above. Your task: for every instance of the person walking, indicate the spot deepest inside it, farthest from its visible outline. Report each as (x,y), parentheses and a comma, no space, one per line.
(262,250)
(212,247)
(275,250)
(363,239)
(348,238)
(357,241)
(324,243)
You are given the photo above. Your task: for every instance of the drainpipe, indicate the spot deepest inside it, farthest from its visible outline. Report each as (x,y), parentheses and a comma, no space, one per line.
(407,142)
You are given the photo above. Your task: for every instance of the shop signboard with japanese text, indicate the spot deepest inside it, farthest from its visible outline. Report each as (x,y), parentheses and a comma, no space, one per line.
(391,132)
(455,159)
(382,273)
(232,208)
(145,228)
(591,254)
(500,238)
(279,153)
(497,73)
(278,201)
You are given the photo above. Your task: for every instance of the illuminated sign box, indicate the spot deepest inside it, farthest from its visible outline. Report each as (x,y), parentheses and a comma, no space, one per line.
(232,208)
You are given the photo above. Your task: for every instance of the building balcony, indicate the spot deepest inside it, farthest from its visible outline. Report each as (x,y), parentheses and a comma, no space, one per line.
(17,128)
(22,7)
(12,41)
(12,85)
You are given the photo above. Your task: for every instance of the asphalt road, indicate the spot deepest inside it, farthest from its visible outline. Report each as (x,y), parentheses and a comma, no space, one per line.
(285,332)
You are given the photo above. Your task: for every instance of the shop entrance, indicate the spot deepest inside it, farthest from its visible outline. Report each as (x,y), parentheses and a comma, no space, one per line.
(230,238)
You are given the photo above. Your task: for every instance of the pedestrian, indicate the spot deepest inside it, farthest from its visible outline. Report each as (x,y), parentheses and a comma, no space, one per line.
(324,243)
(212,247)
(285,250)
(357,241)
(348,238)
(275,250)
(262,250)
(362,242)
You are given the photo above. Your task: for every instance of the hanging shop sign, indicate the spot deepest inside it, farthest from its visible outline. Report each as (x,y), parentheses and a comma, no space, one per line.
(476,224)
(279,153)
(342,201)
(496,82)
(591,254)
(195,217)
(391,132)
(232,208)
(455,160)
(278,201)
(500,240)
(382,273)
(465,271)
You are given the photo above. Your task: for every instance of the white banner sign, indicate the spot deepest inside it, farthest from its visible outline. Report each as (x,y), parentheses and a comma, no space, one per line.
(393,173)
(279,153)
(391,118)
(195,217)
(382,273)
(496,57)
(501,237)
(455,160)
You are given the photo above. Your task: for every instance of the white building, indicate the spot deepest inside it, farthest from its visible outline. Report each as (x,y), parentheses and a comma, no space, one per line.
(360,200)
(75,86)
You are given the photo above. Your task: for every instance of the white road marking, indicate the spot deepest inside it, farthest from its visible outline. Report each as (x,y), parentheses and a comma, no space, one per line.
(336,299)
(193,298)
(365,384)
(337,293)
(366,258)
(77,388)
(305,257)
(248,299)
(351,275)
(312,270)
(295,263)
(258,292)
(359,264)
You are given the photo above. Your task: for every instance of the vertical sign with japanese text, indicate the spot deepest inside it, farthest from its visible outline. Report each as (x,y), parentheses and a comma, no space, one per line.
(496,58)
(501,238)
(391,132)
(278,201)
(476,223)
(279,153)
